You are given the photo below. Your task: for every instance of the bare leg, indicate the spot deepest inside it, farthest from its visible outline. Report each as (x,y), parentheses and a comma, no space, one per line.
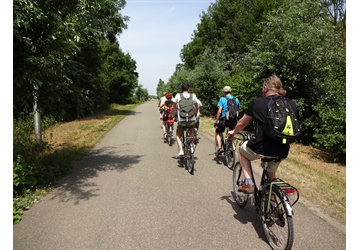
(179,142)
(192,132)
(271,176)
(246,166)
(218,140)
(164,127)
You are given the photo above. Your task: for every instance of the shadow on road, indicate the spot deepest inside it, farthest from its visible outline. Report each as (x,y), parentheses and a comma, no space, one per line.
(113,112)
(220,160)
(246,215)
(77,185)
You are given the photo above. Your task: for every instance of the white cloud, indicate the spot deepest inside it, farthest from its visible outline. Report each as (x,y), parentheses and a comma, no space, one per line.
(170,10)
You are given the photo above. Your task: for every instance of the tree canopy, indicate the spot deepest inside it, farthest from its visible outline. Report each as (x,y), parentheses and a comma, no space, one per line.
(68,52)
(240,43)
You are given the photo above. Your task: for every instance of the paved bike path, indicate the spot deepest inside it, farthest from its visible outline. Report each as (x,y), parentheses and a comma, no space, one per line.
(131,193)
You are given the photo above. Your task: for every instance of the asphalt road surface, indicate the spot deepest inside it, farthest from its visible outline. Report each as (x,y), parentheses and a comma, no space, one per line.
(131,193)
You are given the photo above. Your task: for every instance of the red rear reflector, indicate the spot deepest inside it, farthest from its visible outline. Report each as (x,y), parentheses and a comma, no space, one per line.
(289,191)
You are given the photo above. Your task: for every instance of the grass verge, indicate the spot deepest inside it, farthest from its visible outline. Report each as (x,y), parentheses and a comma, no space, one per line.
(67,143)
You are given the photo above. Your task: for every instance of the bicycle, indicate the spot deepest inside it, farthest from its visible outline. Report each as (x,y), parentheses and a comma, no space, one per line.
(229,148)
(169,131)
(272,204)
(189,145)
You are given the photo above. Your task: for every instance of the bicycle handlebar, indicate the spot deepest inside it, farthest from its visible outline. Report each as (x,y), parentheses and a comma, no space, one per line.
(245,136)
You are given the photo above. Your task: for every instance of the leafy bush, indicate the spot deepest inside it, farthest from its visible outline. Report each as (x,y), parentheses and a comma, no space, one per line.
(28,171)
(24,175)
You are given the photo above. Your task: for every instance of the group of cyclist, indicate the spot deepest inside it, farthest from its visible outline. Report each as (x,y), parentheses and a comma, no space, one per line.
(192,123)
(258,147)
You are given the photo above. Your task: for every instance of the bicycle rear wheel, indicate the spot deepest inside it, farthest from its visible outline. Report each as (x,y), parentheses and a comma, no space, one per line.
(189,160)
(241,198)
(277,221)
(230,154)
(169,135)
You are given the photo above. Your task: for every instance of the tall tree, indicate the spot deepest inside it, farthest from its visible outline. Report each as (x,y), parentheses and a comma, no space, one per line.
(298,44)
(141,93)
(337,12)
(119,73)
(227,24)
(160,88)
(56,50)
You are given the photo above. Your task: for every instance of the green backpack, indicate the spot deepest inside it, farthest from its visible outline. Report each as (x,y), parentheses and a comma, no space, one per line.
(186,106)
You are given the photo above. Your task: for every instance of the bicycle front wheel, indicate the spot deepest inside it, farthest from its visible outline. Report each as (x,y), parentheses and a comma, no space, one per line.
(230,154)
(241,198)
(277,220)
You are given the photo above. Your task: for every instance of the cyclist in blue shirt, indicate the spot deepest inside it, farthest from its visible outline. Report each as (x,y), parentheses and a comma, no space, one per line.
(220,123)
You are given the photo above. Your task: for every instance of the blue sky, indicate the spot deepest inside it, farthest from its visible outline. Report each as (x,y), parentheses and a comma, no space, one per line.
(156,33)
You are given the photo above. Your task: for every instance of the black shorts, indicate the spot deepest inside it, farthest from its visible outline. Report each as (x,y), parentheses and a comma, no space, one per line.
(223,124)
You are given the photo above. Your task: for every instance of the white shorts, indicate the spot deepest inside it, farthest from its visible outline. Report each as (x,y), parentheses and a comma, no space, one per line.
(270,166)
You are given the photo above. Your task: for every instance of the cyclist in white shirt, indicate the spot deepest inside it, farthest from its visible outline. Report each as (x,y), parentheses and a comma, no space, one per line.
(162,100)
(183,122)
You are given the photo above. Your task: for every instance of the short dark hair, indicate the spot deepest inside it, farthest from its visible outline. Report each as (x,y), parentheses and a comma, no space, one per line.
(185,87)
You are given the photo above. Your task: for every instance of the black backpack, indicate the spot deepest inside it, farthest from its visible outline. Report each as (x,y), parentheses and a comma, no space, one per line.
(186,107)
(281,121)
(232,110)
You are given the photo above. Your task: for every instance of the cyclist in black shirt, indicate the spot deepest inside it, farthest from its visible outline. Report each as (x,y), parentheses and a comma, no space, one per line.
(261,146)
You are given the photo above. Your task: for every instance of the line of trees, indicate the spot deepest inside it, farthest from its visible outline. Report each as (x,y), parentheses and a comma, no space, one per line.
(240,43)
(66,54)
(67,64)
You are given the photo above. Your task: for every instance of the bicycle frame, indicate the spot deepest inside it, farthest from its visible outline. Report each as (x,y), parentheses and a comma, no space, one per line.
(187,140)
(229,146)
(283,187)
(189,146)
(169,130)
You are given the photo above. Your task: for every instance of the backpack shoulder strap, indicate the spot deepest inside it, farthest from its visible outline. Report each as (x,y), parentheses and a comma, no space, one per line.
(276,97)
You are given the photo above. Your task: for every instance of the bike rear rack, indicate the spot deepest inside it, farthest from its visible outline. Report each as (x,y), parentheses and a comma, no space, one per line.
(285,188)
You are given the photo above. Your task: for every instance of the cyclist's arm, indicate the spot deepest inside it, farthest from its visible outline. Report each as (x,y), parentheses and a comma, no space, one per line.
(196,108)
(162,103)
(242,123)
(200,107)
(218,114)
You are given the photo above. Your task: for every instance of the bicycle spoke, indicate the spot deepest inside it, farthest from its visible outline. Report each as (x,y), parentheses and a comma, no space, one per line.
(277,225)
(238,178)
(190,157)
(230,155)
